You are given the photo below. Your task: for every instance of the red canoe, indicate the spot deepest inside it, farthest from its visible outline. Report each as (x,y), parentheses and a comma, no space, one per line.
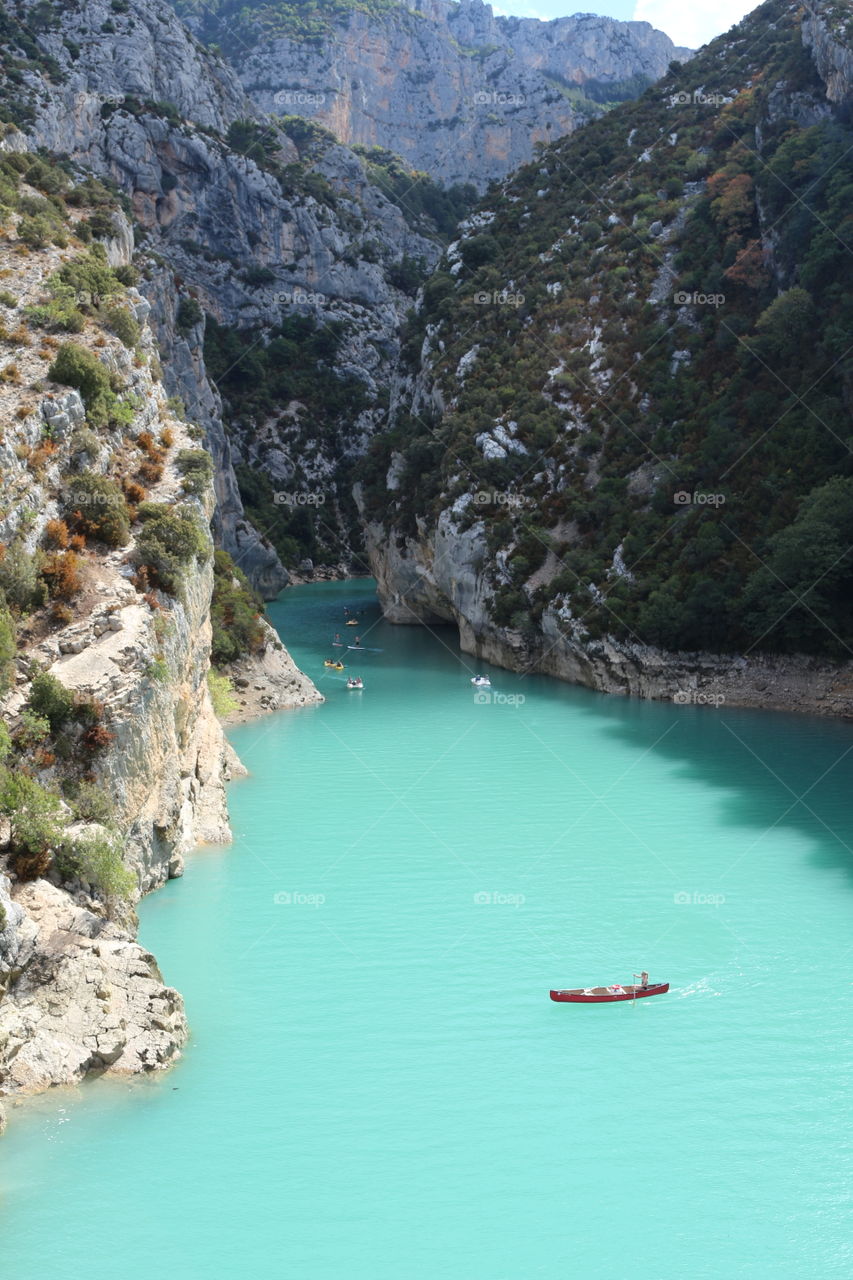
(603,995)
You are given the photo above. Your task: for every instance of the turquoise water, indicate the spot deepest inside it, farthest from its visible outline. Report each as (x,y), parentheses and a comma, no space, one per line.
(378,1086)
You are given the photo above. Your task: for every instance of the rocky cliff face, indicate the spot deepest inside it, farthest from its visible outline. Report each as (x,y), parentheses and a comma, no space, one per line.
(457,91)
(77,992)
(439,578)
(828,32)
(587,508)
(253,237)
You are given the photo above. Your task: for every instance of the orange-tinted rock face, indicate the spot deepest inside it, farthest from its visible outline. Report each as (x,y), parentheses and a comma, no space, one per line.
(456,91)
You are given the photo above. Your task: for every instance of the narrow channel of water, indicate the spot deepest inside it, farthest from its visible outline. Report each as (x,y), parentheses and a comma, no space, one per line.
(378,1085)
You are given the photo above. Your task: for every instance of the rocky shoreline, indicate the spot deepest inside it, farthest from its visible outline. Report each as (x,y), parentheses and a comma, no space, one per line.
(269,681)
(442,582)
(78,994)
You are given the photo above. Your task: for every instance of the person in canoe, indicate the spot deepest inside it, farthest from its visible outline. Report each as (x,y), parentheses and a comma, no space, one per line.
(644,978)
(357,642)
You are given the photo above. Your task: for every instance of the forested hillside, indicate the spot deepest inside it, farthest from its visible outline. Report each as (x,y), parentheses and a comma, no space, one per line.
(630,379)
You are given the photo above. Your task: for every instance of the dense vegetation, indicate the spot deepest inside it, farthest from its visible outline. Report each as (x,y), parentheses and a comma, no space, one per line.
(662,317)
(426,204)
(285,378)
(235,613)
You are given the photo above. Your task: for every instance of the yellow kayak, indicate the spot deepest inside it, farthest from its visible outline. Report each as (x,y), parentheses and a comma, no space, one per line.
(336,666)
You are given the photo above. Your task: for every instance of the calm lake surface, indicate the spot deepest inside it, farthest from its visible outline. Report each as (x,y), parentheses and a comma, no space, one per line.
(377,1085)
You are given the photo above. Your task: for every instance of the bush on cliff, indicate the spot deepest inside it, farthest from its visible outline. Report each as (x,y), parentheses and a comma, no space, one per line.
(91,277)
(36,821)
(77,367)
(19,578)
(95,857)
(124,325)
(95,506)
(50,698)
(196,466)
(61,572)
(170,540)
(235,613)
(8,648)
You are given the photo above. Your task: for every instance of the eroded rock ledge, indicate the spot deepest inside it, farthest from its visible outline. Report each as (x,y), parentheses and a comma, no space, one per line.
(84,995)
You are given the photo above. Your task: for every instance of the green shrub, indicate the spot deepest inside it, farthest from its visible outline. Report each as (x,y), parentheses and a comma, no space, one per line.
(235,613)
(256,277)
(77,367)
(19,579)
(84,446)
(8,648)
(171,538)
(36,821)
(32,730)
(60,315)
(101,225)
(5,741)
(251,139)
(91,803)
(126,274)
(8,299)
(91,277)
(189,315)
(221,693)
(158,670)
(196,466)
(50,698)
(96,858)
(96,506)
(36,232)
(123,324)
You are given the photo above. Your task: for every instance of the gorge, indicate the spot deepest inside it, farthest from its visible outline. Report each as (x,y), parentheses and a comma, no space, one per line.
(544,327)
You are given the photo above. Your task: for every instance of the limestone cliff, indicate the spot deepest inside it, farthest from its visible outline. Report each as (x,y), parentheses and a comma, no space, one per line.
(456,90)
(137,774)
(256,226)
(828,31)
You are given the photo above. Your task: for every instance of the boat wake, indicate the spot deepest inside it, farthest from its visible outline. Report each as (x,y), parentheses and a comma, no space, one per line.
(701,988)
